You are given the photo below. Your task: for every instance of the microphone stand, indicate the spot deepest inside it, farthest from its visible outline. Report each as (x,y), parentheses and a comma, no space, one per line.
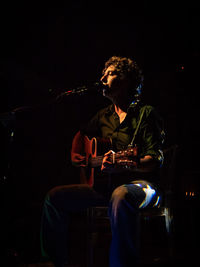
(81,90)
(10,116)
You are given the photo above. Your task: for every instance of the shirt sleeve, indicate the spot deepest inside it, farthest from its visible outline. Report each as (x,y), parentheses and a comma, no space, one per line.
(152,136)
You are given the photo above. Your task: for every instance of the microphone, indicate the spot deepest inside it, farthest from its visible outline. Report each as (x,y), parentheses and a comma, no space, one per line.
(94,87)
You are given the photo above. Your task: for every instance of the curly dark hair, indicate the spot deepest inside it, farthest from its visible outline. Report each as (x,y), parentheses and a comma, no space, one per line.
(126,67)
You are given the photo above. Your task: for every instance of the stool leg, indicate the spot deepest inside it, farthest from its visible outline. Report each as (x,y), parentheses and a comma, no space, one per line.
(90,250)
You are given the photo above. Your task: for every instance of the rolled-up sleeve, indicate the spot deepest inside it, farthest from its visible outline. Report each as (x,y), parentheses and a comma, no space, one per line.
(152,136)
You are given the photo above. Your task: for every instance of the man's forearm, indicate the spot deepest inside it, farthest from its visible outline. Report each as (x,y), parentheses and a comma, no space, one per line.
(77,143)
(147,164)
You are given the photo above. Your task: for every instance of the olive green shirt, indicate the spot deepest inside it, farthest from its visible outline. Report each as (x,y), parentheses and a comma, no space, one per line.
(149,137)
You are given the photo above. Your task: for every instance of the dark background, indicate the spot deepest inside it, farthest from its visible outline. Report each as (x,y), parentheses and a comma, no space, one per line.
(48,49)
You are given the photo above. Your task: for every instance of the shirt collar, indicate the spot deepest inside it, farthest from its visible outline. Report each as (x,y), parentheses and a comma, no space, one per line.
(111,109)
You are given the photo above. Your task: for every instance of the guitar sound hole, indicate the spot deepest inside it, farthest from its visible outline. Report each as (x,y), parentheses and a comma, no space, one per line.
(93,146)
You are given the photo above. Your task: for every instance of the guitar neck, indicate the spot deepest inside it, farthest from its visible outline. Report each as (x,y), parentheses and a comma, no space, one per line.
(97,161)
(126,156)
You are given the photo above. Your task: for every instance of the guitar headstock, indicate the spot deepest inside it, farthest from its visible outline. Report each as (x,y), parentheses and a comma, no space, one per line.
(129,152)
(127,158)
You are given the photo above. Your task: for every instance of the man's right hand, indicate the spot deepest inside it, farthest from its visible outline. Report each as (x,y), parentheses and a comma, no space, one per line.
(78,160)
(107,164)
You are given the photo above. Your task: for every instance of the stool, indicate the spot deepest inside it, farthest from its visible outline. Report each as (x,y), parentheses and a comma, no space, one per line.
(156,227)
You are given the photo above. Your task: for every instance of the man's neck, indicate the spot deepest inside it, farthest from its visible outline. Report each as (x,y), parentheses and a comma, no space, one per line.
(121,113)
(121,101)
(121,106)
(119,110)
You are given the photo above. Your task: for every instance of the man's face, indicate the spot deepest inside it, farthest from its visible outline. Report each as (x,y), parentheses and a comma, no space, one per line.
(113,83)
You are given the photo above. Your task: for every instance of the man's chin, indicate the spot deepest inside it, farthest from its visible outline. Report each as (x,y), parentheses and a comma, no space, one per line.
(107,94)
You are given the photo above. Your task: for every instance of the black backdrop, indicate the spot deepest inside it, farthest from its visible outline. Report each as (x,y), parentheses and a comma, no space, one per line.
(46,50)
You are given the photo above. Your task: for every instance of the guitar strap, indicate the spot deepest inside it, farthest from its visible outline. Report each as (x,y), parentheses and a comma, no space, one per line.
(137,128)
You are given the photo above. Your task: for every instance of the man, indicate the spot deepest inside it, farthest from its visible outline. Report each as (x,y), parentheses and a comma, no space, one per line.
(132,181)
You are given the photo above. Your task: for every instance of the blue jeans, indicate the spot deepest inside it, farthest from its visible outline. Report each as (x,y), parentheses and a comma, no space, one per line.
(124,206)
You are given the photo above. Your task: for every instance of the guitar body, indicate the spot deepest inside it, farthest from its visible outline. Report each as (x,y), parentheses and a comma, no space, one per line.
(93,147)
(87,173)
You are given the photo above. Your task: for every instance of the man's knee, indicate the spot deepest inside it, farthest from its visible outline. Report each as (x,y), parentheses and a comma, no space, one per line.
(119,193)
(117,200)
(52,195)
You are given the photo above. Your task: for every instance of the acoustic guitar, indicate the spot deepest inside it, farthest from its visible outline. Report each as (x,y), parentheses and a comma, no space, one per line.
(124,159)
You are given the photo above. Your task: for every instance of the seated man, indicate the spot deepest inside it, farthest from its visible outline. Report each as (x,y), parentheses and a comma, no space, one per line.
(127,179)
